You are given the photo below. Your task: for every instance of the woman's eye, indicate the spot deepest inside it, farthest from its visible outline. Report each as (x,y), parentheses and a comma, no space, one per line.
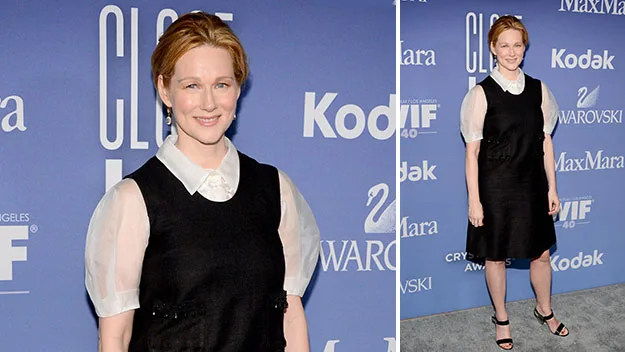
(192,86)
(221,85)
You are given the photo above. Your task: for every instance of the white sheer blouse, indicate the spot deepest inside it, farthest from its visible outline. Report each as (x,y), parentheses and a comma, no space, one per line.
(474,105)
(119,230)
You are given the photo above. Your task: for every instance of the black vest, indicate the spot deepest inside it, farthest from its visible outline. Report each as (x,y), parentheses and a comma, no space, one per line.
(213,272)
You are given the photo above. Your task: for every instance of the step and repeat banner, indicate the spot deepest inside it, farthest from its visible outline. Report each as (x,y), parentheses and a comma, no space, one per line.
(577,50)
(78,110)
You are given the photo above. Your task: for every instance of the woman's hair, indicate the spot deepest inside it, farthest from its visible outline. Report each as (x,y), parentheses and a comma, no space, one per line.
(504,23)
(191,31)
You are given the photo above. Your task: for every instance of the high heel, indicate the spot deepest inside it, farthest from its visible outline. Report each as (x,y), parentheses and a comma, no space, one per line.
(500,342)
(543,319)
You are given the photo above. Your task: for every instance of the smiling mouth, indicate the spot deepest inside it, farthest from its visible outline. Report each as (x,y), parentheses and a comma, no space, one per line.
(207,121)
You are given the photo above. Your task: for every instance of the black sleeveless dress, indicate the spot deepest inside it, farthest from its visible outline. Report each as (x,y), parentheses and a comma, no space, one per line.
(213,272)
(512,180)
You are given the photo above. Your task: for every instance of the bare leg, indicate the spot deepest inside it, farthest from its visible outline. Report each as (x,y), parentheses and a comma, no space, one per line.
(540,276)
(496,281)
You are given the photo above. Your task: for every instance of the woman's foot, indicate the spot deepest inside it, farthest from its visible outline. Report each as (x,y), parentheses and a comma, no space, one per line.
(503,337)
(554,325)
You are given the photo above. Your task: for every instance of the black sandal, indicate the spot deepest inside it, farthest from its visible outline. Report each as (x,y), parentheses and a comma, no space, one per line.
(543,319)
(500,342)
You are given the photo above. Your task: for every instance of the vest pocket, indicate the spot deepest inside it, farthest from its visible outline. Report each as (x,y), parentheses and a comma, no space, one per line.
(275,326)
(177,328)
(497,148)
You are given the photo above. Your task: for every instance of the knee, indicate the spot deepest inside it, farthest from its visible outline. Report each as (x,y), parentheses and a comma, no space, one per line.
(496,264)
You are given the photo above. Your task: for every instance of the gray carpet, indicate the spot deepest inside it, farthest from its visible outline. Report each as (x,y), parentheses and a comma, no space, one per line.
(595,318)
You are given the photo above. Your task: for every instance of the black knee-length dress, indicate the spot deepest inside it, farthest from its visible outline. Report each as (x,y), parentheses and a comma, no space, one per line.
(511,176)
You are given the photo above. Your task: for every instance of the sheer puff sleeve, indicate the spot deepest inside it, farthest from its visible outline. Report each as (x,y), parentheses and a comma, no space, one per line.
(550,109)
(472,113)
(300,237)
(116,242)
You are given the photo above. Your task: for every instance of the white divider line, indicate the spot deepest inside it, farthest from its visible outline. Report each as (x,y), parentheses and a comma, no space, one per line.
(14,292)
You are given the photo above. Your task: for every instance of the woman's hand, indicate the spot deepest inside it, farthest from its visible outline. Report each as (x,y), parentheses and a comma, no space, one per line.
(554,202)
(476,214)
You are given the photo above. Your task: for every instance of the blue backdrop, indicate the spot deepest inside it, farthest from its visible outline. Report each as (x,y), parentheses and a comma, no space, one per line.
(577,50)
(78,111)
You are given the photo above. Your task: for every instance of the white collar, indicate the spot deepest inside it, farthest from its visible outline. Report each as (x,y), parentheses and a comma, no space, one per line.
(192,175)
(514,87)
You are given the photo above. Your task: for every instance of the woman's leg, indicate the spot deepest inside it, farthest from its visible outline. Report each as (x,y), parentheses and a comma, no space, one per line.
(540,276)
(496,281)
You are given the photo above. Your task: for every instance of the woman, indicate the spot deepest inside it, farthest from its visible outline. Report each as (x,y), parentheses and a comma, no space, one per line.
(507,121)
(195,249)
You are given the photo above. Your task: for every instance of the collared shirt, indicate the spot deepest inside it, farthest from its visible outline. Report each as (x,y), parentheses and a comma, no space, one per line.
(119,230)
(474,105)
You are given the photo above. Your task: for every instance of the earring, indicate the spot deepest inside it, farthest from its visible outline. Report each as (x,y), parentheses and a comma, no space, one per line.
(234,117)
(168,118)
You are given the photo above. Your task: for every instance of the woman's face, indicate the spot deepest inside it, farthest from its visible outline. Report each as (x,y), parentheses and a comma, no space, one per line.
(509,50)
(203,95)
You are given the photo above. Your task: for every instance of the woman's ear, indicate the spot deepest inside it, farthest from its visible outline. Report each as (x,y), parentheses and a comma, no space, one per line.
(162,91)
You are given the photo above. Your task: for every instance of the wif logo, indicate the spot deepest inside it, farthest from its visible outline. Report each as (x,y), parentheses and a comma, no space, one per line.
(12,114)
(416,117)
(350,120)
(10,252)
(583,61)
(584,115)
(574,212)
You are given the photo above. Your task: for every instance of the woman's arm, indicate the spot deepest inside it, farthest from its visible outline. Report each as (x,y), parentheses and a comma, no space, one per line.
(550,170)
(115,332)
(476,213)
(295,327)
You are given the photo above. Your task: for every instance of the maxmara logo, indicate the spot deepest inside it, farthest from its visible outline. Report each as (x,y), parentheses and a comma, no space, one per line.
(600,7)
(585,114)
(350,120)
(590,161)
(12,114)
(417,57)
(410,228)
(561,59)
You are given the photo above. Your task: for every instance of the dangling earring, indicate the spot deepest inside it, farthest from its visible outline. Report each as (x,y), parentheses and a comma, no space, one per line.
(168,118)
(234,117)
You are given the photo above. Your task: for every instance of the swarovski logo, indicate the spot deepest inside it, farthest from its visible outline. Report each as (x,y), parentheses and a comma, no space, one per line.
(416,285)
(587,116)
(583,61)
(589,162)
(600,7)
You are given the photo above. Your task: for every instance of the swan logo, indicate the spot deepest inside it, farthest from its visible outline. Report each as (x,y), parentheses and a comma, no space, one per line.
(416,57)
(574,212)
(416,285)
(598,161)
(583,61)
(12,116)
(378,220)
(585,115)
(371,254)
(599,7)
(579,261)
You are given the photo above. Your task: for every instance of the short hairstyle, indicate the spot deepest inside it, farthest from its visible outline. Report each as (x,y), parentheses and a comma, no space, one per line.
(504,23)
(191,31)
